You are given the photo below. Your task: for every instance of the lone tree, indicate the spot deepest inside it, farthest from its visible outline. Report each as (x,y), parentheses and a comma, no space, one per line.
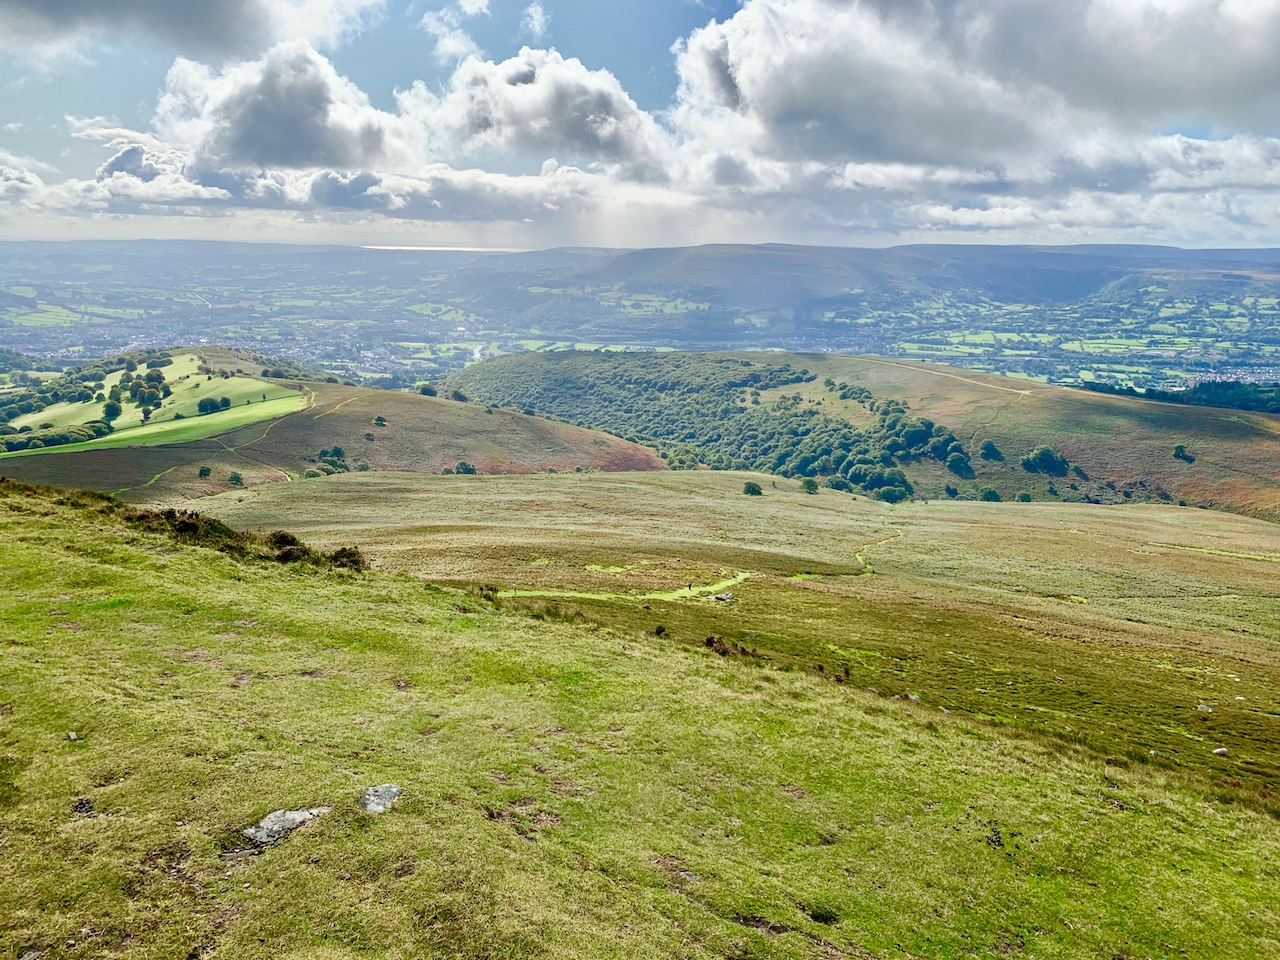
(111,411)
(809,485)
(989,495)
(752,489)
(989,451)
(205,473)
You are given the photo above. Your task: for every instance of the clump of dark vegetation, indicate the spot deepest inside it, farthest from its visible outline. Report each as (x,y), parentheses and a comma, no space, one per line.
(1180,453)
(752,489)
(1230,394)
(194,529)
(330,461)
(708,410)
(208,405)
(989,451)
(1046,460)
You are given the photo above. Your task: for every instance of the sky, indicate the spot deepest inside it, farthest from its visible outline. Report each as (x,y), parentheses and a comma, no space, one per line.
(628,123)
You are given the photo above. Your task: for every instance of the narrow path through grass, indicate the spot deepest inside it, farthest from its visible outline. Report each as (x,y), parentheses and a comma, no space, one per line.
(686,593)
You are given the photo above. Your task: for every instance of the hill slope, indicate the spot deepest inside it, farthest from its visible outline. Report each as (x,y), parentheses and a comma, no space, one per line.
(568,792)
(418,434)
(862,419)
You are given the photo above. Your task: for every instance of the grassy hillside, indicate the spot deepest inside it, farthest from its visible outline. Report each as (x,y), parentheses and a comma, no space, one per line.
(416,433)
(569,791)
(1108,626)
(1122,448)
(1117,440)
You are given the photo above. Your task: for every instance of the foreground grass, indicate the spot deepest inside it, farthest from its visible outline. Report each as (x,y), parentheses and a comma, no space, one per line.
(569,791)
(1145,632)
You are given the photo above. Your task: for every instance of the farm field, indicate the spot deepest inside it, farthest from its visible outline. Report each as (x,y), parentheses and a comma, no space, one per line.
(571,789)
(1107,626)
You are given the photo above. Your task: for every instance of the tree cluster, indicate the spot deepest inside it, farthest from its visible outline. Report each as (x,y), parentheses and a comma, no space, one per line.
(701,409)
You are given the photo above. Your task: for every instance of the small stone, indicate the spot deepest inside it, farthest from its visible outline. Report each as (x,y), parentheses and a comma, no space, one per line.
(1220,752)
(72,736)
(277,825)
(724,597)
(1204,708)
(913,696)
(31,953)
(378,800)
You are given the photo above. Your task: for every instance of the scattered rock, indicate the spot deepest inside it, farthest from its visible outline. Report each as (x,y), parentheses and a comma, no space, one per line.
(31,953)
(84,807)
(1204,708)
(277,825)
(378,800)
(1220,752)
(724,597)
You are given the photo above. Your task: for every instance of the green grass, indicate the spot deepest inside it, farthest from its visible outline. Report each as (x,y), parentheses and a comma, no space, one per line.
(570,792)
(179,431)
(1100,625)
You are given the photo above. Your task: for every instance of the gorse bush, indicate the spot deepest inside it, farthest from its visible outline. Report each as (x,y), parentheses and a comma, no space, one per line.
(701,409)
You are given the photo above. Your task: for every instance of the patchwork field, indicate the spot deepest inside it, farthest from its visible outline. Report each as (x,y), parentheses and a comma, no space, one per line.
(1110,626)
(578,790)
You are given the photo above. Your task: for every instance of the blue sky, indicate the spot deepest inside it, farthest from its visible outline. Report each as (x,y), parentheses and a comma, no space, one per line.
(542,122)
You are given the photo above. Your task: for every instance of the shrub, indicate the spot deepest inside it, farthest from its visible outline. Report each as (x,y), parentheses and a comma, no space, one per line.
(428,391)
(959,464)
(951,491)
(236,479)
(809,485)
(1024,497)
(338,453)
(207,405)
(989,451)
(989,495)
(225,403)
(464,468)
(459,396)
(378,422)
(205,473)
(312,474)
(1046,460)
(1180,453)
(752,489)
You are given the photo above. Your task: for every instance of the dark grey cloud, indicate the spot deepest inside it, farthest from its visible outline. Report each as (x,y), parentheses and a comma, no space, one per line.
(206,27)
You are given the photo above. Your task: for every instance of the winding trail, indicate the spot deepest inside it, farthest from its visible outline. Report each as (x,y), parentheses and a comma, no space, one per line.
(669,596)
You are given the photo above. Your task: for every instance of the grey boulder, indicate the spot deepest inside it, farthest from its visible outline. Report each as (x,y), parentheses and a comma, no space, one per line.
(277,825)
(378,800)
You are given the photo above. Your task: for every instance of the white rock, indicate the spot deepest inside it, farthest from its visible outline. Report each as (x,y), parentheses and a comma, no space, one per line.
(1203,708)
(279,824)
(378,800)
(1220,752)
